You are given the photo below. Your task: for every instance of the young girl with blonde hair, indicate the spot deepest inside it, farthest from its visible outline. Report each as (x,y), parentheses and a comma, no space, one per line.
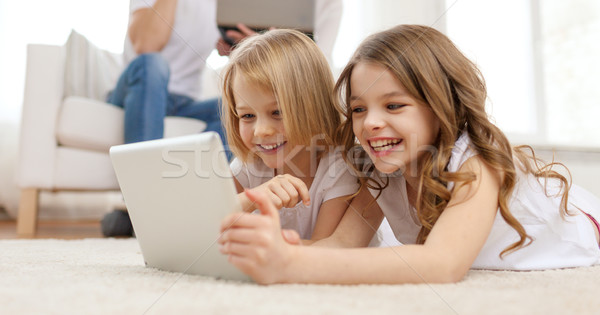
(451,186)
(280,117)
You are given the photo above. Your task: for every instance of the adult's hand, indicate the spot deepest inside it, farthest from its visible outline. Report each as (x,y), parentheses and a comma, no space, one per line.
(224,48)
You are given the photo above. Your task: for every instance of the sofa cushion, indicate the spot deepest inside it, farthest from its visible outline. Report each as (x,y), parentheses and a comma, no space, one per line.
(89,71)
(89,124)
(181,126)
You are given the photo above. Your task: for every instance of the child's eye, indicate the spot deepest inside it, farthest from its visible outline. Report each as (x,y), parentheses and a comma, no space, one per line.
(395,106)
(246,116)
(276,113)
(358,109)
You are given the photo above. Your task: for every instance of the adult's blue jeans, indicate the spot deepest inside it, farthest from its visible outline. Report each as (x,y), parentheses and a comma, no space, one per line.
(142,92)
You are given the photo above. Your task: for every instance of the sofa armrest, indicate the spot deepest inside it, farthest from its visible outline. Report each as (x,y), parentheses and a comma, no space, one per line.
(44,86)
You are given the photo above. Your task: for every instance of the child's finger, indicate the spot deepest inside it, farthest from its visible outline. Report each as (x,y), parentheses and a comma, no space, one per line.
(239,219)
(279,195)
(245,264)
(265,205)
(301,189)
(292,193)
(291,237)
(239,235)
(249,251)
(229,220)
(239,249)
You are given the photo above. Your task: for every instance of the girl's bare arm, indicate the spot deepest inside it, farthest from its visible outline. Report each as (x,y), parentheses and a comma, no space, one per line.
(255,244)
(361,219)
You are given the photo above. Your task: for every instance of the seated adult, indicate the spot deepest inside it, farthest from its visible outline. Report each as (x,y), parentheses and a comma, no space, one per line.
(167,44)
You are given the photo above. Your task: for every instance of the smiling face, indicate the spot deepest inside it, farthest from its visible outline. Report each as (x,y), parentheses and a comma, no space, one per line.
(392,127)
(260,122)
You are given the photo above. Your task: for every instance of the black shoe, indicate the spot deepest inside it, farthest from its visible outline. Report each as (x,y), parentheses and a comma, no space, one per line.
(116,223)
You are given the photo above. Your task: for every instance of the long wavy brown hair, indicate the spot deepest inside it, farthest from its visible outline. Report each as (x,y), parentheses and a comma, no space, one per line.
(436,73)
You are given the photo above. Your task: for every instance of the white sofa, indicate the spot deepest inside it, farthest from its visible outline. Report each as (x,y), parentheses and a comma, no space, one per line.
(64,140)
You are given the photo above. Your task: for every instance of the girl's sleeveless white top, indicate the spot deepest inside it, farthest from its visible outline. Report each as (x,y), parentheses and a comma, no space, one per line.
(558,241)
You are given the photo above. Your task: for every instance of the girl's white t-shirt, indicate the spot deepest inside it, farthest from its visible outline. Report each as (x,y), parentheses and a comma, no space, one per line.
(332,179)
(193,38)
(558,242)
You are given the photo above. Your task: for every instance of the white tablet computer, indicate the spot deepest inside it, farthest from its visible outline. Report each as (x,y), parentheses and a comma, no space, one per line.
(177,191)
(263,14)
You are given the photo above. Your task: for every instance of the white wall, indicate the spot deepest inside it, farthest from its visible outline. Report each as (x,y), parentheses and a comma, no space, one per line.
(583,166)
(497,36)
(49,22)
(364,17)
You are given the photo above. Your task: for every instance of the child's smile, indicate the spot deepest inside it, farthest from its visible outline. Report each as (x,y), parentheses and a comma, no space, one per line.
(270,148)
(392,126)
(383,146)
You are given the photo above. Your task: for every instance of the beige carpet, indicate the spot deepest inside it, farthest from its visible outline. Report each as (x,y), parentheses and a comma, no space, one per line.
(107,276)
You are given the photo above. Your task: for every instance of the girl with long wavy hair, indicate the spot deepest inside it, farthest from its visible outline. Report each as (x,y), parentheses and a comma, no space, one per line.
(454,190)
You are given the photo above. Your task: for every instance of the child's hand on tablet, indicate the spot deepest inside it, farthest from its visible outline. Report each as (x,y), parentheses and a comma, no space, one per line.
(254,243)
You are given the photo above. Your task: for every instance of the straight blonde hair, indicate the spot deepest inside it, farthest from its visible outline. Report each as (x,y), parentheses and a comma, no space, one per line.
(289,64)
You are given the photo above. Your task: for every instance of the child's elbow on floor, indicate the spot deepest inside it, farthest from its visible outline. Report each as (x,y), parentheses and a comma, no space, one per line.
(452,277)
(448,272)
(453,274)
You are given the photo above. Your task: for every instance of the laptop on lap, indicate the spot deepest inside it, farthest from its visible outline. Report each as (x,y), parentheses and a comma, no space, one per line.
(177,191)
(260,15)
